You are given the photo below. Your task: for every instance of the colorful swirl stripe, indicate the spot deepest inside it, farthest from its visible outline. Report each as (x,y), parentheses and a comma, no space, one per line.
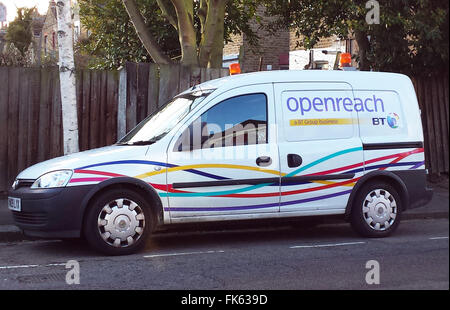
(238,193)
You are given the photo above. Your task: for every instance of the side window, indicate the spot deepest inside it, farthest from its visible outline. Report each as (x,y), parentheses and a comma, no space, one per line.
(240,120)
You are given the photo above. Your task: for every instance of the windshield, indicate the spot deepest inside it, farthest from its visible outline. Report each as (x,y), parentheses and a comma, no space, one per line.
(156,126)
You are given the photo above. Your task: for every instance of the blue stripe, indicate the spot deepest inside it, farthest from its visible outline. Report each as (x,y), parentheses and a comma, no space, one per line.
(153,163)
(263,206)
(408,163)
(293,173)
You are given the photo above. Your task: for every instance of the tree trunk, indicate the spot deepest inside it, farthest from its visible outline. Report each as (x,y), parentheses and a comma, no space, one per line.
(363,48)
(186,31)
(67,77)
(216,55)
(212,29)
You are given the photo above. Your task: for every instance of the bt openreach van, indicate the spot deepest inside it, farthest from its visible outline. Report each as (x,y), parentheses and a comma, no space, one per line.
(251,146)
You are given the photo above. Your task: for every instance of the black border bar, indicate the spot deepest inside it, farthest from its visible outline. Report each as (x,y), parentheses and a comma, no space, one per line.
(284,180)
(392,145)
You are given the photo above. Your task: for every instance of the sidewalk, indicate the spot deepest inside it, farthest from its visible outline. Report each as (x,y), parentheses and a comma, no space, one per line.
(437,208)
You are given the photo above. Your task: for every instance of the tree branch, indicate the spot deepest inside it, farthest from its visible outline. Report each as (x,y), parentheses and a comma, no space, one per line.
(168,12)
(202,14)
(144,34)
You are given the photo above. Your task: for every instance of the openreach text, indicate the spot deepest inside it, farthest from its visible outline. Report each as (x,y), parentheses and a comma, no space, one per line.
(325,104)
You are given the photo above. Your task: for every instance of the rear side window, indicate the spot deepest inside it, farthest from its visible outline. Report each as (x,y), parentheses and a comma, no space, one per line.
(381,114)
(240,120)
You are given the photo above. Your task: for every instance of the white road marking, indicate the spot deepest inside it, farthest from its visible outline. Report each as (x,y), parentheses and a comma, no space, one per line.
(438,238)
(325,245)
(179,254)
(30,266)
(20,266)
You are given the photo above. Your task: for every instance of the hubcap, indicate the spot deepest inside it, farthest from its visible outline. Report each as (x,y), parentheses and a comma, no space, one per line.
(121,222)
(379,209)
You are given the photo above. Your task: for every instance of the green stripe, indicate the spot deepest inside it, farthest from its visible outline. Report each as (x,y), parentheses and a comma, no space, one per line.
(229,192)
(293,173)
(250,188)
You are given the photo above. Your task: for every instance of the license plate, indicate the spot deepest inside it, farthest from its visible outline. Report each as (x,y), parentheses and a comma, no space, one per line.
(14,204)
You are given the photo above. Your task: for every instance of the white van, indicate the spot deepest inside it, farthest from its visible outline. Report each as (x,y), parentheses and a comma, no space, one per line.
(251,146)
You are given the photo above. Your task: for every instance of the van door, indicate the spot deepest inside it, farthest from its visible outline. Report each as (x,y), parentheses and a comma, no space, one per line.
(320,150)
(224,159)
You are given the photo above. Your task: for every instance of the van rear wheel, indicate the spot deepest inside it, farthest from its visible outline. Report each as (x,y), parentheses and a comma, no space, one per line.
(118,222)
(376,210)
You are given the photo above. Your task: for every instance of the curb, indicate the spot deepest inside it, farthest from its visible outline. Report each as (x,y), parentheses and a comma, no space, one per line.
(11,233)
(424,216)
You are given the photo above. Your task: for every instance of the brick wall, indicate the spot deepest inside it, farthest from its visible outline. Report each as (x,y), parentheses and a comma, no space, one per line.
(232,48)
(270,47)
(293,40)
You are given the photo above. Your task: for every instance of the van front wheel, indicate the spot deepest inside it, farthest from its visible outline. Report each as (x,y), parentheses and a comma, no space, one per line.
(376,210)
(118,222)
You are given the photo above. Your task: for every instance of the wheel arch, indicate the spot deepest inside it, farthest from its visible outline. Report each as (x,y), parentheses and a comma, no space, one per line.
(124,182)
(382,176)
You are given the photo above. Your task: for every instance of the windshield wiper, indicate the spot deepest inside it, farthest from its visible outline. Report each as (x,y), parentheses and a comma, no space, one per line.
(144,142)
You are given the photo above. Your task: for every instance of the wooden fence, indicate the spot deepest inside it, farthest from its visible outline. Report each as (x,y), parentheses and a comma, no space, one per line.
(145,88)
(432,93)
(109,104)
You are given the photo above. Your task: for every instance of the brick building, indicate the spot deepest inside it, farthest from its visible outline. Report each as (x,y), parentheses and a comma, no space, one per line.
(49,37)
(272,53)
(49,43)
(283,51)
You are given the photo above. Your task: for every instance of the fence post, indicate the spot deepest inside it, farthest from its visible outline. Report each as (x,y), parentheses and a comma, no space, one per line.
(122,104)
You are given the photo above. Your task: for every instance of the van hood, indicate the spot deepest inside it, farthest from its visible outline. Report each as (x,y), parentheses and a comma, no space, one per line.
(77,160)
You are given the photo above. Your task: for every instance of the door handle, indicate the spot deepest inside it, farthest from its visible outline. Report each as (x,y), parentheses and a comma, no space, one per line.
(294,160)
(263,161)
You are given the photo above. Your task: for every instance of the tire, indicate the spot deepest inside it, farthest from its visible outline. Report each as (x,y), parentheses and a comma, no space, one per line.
(376,210)
(118,222)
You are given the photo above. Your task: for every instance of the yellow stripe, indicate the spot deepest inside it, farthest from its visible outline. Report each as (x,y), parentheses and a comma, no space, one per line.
(331,182)
(148,174)
(321,121)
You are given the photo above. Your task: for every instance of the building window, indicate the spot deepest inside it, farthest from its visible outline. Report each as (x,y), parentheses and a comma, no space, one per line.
(45,44)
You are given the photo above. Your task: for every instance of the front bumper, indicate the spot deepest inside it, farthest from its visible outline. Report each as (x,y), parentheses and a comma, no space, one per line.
(50,213)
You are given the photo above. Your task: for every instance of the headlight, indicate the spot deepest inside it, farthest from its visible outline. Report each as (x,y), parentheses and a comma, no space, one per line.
(53,179)
(15,184)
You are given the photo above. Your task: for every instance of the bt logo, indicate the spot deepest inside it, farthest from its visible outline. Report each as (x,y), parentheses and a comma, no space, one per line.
(392,120)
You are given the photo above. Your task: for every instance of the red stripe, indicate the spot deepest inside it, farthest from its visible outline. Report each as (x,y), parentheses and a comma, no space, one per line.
(403,155)
(400,155)
(299,191)
(78,180)
(168,187)
(109,174)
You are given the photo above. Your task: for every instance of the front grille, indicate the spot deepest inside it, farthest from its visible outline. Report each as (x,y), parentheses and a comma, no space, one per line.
(30,218)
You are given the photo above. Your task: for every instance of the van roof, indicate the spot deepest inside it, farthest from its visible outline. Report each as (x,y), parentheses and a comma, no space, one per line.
(358,79)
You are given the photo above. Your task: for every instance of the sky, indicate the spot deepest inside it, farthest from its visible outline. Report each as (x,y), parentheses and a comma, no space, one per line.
(11,5)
